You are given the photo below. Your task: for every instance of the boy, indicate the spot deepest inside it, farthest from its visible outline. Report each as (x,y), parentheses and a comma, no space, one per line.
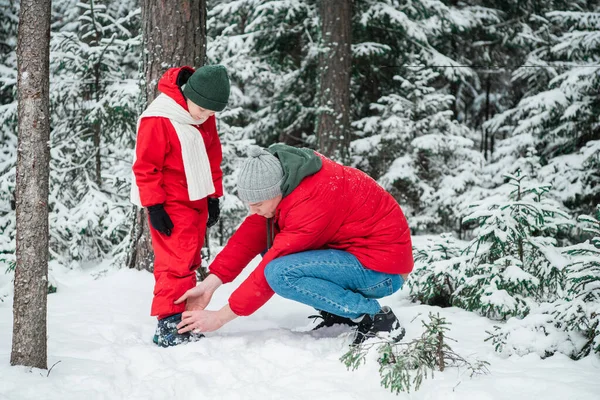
(178,179)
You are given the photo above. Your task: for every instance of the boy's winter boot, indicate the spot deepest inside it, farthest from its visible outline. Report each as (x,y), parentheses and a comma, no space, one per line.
(166,332)
(383,325)
(329,319)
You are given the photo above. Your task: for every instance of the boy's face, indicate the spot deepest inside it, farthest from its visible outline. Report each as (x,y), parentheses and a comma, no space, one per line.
(198,112)
(265,208)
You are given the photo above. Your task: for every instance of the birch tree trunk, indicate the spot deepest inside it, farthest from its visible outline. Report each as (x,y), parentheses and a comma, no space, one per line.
(33,155)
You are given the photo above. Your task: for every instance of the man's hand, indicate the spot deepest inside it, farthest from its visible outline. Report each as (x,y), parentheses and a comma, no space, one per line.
(205,321)
(198,298)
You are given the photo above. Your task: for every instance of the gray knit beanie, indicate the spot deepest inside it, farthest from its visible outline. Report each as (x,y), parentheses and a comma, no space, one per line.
(261,176)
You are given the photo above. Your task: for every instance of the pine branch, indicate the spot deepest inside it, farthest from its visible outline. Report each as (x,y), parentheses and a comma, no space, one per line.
(404,366)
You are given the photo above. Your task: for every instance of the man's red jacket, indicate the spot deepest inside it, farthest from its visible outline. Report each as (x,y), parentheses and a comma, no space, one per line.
(338,208)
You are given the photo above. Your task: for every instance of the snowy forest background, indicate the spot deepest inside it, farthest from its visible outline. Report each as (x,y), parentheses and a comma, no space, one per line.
(481,117)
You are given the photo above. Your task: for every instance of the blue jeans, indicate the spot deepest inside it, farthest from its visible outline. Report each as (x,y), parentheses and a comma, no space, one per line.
(332,281)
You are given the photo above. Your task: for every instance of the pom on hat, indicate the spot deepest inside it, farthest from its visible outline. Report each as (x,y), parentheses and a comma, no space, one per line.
(255,151)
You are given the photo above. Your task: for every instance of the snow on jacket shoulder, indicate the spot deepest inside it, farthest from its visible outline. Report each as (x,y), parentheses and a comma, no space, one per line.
(158,169)
(339,208)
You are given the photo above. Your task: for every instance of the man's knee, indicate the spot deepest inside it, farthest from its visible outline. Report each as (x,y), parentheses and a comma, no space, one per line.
(275,274)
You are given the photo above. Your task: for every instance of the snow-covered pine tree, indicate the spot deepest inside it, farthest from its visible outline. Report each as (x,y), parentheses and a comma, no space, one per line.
(426,158)
(513,261)
(437,272)
(270,52)
(270,48)
(409,138)
(557,119)
(498,48)
(580,309)
(538,332)
(229,44)
(9,11)
(390,33)
(77,233)
(571,323)
(474,34)
(95,96)
(93,93)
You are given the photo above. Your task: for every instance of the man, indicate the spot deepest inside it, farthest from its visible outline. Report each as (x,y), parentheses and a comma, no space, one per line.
(178,178)
(335,240)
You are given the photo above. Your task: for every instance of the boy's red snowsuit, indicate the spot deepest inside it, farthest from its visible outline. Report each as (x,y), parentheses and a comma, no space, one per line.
(160,177)
(338,208)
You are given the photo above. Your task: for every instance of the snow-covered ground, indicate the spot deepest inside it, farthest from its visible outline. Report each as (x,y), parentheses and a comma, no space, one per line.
(100,331)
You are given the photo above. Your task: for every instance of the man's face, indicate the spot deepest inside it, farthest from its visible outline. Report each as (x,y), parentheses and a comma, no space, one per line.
(198,112)
(265,208)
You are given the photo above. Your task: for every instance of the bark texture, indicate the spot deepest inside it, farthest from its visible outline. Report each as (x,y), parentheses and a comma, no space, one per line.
(31,273)
(174,35)
(335,63)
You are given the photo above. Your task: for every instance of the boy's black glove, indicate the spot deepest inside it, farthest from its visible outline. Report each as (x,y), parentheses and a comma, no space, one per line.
(213,212)
(160,220)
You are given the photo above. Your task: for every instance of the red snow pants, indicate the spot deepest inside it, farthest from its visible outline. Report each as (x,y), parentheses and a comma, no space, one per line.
(177,257)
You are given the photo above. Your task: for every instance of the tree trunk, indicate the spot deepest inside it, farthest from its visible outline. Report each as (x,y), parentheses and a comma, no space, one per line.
(97,127)
(141,256)
(486,148)
(335,63)
(173,36)
(33,155)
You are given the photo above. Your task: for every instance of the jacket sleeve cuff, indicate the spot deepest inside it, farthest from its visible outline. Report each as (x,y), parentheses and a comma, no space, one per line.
(237,312)
(147,200)
(219,274)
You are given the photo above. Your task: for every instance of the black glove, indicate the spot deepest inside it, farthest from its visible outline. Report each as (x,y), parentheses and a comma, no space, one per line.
(213,212)
(160,220)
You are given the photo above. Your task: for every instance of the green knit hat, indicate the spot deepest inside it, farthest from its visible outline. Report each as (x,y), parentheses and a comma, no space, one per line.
(208,87)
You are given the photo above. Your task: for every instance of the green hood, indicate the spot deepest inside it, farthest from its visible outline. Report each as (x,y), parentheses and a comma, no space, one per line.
(297,164)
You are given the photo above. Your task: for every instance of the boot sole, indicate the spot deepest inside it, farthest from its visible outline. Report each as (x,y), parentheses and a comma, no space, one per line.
(392,337)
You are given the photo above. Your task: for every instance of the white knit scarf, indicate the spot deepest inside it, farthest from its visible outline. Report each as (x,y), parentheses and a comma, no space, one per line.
(193,151)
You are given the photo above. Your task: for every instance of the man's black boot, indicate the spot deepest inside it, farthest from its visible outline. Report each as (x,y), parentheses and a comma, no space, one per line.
(329,319)
(383,325)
